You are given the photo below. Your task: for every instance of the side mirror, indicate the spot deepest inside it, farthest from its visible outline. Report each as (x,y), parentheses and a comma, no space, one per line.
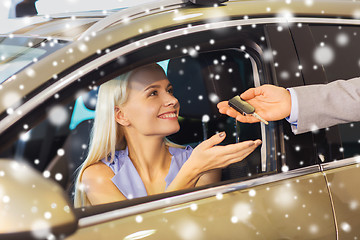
(32,207)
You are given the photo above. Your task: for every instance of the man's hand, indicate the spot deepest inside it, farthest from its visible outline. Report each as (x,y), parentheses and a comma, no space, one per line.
(271,102)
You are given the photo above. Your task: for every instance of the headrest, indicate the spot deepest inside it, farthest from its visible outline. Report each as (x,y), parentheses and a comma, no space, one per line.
(201,82)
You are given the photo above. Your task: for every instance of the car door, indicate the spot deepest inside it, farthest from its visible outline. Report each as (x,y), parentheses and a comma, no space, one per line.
(331,52)
(285,196)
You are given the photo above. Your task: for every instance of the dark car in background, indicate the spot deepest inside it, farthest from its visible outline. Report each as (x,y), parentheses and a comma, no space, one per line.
(292,187)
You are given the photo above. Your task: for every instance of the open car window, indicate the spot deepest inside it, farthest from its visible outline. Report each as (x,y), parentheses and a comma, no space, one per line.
(58,143)
(55,141)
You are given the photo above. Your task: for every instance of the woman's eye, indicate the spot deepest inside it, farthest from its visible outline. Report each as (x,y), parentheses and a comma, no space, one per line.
(171,91)
(153,93)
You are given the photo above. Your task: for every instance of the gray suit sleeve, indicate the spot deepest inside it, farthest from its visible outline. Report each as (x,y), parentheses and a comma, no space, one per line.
(325,105)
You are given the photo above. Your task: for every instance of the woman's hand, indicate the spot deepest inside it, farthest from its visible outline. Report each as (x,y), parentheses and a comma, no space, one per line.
(207,156)
(272,103)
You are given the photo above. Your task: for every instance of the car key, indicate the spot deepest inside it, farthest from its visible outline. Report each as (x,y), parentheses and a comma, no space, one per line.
(244,108)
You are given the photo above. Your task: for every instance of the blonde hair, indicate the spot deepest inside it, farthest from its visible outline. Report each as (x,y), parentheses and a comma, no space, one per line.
(107,135)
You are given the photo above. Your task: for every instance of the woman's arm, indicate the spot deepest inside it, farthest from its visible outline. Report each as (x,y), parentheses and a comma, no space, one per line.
(98,186)
(209,177)
(208,156)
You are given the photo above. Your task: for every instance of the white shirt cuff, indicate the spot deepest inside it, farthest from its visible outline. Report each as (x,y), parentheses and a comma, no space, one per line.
(293,118)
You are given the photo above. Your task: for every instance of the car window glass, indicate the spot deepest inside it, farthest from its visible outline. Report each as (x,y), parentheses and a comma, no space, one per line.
(339,44)
(18,52)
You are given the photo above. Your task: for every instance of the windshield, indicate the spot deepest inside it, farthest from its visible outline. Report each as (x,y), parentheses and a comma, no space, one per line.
(17,53)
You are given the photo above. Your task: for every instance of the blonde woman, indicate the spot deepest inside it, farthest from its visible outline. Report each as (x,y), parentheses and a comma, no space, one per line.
(129,155)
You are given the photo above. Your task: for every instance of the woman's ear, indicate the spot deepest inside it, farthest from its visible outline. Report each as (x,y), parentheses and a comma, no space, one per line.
(120,117)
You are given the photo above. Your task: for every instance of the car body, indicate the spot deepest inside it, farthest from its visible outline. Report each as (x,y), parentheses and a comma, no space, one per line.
(292,187)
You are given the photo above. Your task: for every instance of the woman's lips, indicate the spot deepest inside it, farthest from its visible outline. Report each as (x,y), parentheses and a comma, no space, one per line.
(168,115)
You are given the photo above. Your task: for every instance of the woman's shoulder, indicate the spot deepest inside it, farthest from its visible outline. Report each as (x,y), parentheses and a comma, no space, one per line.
(97,171)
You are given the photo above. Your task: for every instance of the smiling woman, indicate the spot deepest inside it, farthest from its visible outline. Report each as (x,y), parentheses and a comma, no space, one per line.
(129,155)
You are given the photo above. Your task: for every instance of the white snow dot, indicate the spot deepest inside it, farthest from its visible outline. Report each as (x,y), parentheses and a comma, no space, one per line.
(53,205)
(194,207)
(34,209)
(345,227)
(47,215)
(82,47)
(242,211)
(55,63)
(138,219)
(284,168)
(6,199)
(234,219)
(285,75)
(60,152)
(40,229)
(341,149)
(324,55)
(46,174)
(36,161)
(309,2)
(200,97)
(353,205)
(58,176)
(313,228)
(356,14)
(25,136)
(58,115)
(193,52)
(252,193)
(214,98)
(342,39)
(279,28)
(267,55)
(219,196)
(2,173)
(9,98)
(205,118)
(297,148)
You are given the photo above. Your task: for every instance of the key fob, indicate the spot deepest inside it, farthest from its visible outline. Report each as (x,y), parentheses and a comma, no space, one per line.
(241,106)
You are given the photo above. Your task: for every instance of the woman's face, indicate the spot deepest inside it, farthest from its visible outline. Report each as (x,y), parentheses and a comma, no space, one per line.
(151,108)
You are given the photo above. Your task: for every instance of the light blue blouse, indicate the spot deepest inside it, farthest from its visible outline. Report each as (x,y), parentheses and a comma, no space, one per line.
(128,180)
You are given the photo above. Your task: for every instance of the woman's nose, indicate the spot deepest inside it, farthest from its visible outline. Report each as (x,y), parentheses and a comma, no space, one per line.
(171,101)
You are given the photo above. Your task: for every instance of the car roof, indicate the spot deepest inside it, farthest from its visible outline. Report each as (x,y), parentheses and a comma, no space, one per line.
(125,24)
